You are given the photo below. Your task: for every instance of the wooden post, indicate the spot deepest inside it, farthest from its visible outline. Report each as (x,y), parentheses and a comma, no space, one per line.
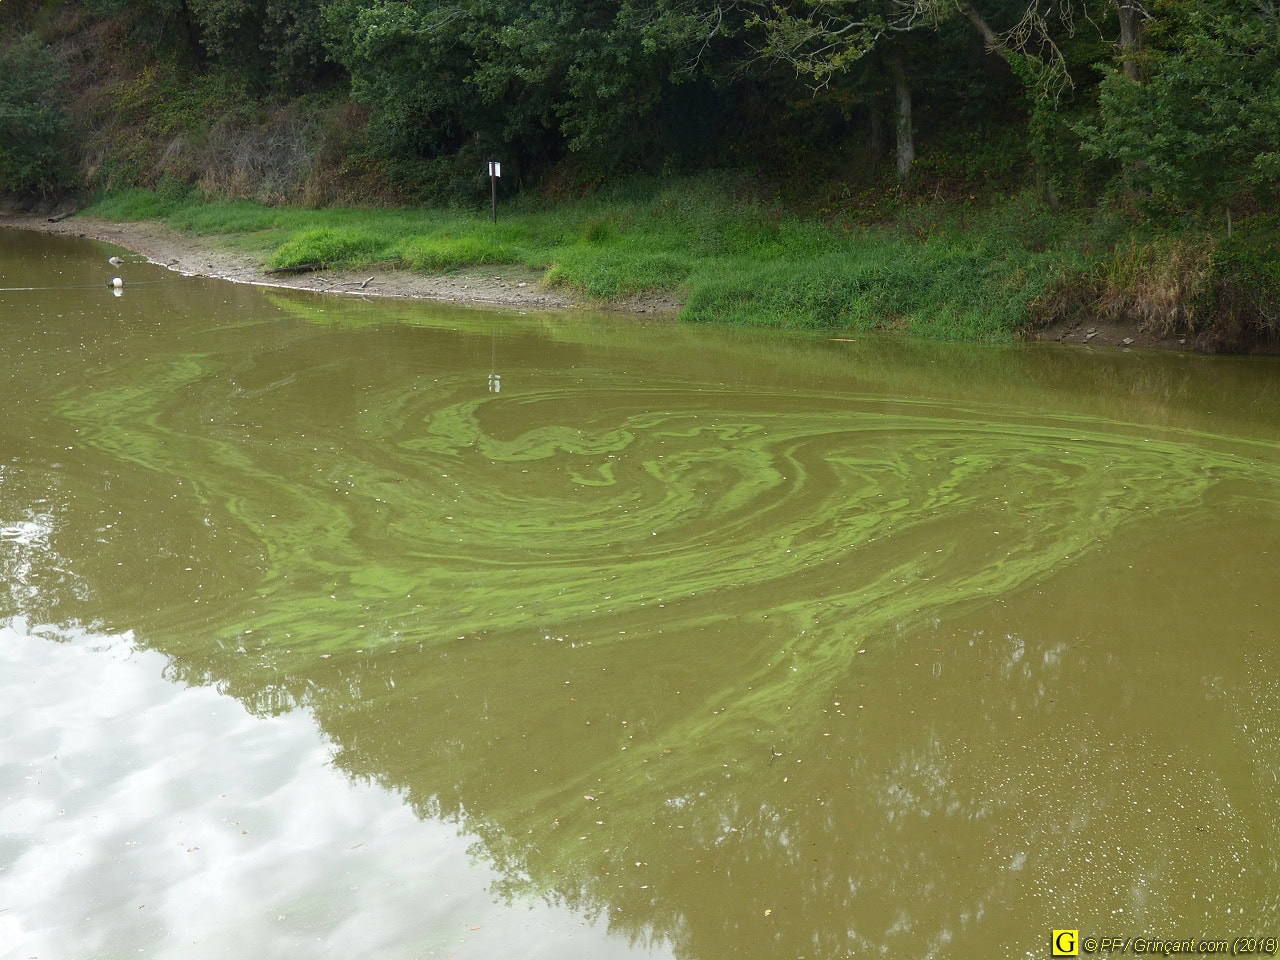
(495,171)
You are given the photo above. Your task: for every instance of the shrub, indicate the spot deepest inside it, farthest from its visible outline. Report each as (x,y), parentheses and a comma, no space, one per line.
(1245,279)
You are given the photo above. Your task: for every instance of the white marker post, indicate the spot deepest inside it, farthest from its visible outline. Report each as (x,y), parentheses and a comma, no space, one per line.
(495,171)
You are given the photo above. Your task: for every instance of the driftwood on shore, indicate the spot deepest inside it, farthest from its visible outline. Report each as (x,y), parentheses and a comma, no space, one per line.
(299,268)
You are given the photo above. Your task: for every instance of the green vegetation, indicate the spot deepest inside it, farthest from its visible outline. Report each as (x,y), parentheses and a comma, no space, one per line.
(32,124)
(929,269)
(957,169)
(1204,128)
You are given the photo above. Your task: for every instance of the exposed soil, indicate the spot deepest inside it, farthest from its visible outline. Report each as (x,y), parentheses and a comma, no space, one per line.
(1100,332)
(502,286)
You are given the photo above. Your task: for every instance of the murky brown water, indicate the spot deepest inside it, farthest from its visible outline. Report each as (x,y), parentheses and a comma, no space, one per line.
(387,630)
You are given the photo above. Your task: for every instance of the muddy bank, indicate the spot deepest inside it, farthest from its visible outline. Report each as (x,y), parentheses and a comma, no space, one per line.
(500,286)
(1108,333)
(1122,332)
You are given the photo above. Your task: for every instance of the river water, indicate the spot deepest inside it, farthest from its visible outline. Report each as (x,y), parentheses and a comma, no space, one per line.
(386,629)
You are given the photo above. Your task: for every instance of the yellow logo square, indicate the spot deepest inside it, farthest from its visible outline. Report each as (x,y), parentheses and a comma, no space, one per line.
(1066,943)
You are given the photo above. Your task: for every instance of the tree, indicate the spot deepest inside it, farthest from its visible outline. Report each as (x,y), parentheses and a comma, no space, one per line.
(531,81)
(821,39)
(1205,124)
(33,127)
(1131,15)
(274,43)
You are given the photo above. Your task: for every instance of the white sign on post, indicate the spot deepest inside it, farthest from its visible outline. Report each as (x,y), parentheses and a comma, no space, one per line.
(495,171)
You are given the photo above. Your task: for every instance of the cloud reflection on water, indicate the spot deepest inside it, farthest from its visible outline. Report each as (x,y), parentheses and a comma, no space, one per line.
(144,818)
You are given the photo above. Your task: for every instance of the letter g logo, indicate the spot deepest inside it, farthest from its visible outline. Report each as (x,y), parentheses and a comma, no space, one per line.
(1066,943)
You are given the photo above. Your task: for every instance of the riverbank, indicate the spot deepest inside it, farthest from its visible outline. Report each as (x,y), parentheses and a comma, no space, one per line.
(761,205)
(501,286)
(1002,273)
(718,248)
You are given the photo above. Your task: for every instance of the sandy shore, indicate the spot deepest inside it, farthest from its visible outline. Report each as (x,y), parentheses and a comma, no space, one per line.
(498,286)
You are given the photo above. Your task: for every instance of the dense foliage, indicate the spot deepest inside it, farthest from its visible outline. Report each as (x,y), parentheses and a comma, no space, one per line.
(1173,103)
(1205,124)
(32,123)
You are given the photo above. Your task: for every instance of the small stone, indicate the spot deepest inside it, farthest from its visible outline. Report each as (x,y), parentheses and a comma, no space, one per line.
(1127,340)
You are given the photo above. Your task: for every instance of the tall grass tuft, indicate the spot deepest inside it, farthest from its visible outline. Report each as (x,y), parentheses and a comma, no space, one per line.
(1159,283)
(330,247)
(439,254)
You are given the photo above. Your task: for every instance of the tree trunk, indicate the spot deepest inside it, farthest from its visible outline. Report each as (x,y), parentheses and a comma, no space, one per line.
(1045,186)
(876,135)
(1130,13)
(988,35)
(906,137)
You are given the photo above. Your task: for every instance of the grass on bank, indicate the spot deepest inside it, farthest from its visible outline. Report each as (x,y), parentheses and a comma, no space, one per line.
(940,272)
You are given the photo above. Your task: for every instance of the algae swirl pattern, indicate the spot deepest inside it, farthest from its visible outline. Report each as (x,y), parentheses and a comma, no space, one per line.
(425,508)
(582,616)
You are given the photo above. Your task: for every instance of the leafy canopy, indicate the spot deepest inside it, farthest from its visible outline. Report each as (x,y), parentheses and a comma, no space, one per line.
(32,124)
(1205,124)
